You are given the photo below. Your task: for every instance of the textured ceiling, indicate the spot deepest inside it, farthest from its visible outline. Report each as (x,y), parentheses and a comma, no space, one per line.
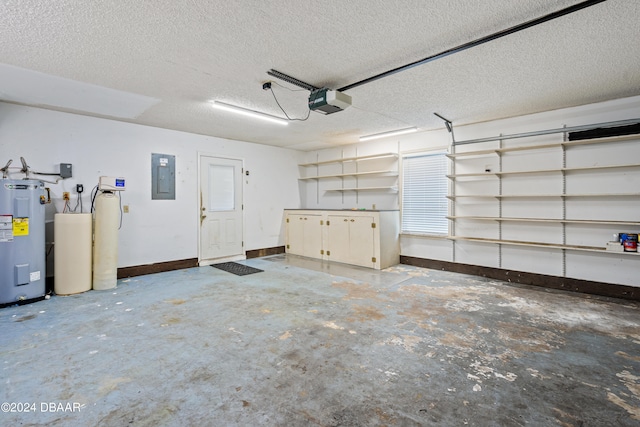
(179,55)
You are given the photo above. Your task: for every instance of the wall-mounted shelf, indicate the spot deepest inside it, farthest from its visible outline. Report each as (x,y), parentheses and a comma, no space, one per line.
(352,159)
(390,188)
(547,220)
(543,245)
(497,151)
(540,196)
(542,171)
(341,175)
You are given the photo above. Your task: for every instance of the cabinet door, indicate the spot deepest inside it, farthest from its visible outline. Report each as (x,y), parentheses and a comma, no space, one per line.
(361,241)
(338,238)
(312,235)
(295,234)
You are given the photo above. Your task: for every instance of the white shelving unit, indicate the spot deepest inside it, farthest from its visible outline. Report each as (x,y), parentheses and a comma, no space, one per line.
(562,173)
(358,171)
(352,159)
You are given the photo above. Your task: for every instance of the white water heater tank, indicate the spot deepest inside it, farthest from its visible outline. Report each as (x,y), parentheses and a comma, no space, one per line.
(105,241)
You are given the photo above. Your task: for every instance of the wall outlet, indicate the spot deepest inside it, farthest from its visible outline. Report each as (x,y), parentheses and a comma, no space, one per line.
(125,208)
(65,196)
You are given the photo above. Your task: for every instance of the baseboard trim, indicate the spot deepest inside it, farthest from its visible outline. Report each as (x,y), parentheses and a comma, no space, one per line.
(233,258)
(525,278)
(160,267)
(140,270)
(23,302)
(257,253)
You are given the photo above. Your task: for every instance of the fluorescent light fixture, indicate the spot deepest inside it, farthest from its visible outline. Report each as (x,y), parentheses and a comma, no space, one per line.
(249,113)
(387,134)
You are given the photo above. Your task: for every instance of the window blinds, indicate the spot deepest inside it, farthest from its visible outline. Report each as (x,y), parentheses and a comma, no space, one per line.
(424,194)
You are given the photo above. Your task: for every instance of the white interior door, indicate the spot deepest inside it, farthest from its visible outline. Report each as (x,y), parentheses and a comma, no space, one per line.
(221,227)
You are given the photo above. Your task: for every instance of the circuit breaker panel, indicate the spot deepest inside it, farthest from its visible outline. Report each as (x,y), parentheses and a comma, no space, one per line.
(163,177)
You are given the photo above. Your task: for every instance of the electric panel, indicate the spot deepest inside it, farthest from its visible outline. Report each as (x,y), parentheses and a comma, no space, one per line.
(163,177)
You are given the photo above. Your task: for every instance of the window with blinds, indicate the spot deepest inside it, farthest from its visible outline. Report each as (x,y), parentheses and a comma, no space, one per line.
(424,194)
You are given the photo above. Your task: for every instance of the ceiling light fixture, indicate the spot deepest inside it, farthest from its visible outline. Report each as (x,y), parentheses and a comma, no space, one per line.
(249,113)
(387,134)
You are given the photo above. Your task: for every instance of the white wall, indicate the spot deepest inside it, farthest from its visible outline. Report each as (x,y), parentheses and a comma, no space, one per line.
(608,268)
(154,230)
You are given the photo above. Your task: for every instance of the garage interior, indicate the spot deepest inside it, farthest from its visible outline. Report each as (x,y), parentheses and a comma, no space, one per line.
(430,212)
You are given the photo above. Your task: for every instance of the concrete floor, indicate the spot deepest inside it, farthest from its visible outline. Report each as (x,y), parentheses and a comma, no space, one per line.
(305,343)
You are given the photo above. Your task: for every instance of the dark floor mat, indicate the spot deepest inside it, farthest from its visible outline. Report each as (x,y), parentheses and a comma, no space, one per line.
(235,268)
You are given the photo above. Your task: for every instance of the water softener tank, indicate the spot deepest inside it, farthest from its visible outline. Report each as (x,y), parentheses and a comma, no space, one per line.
(105,241)
(22,241)
(72,252)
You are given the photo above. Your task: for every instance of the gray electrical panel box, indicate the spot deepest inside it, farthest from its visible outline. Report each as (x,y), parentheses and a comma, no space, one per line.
(65,170)
(163,177)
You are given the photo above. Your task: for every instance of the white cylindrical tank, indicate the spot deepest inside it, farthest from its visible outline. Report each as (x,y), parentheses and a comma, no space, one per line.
(105,241)
(72,252)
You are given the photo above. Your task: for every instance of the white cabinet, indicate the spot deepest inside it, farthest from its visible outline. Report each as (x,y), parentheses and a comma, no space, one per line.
(352,239)
(338,240)
(304,234)
(364,238)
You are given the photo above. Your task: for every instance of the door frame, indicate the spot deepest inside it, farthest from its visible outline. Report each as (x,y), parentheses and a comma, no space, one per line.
(238,257)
